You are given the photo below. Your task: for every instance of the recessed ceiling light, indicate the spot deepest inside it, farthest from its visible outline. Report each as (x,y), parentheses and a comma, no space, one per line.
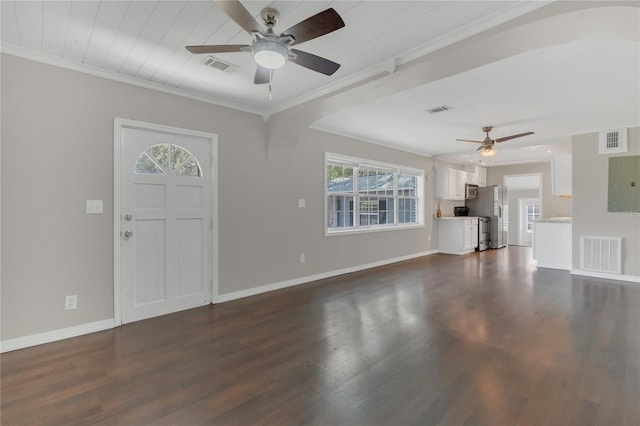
(549,151)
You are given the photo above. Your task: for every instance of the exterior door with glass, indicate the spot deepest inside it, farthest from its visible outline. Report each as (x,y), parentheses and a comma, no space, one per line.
(529,212)
(165,223)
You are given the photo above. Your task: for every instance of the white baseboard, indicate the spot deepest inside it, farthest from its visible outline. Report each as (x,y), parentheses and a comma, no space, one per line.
(309,278)
(52,336)
(628,278)
(65,333)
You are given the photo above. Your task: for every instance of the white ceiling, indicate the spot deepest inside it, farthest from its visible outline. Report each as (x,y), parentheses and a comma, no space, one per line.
(556,91)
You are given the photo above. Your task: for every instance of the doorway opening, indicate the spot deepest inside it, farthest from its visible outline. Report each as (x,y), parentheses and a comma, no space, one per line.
(524,206)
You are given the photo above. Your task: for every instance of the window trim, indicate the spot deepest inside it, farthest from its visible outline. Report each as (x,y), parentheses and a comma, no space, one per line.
(365,163)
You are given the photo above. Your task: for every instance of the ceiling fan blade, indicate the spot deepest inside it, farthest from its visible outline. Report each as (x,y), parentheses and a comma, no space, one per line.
(480,148)
(315,26)
(313,62)
(240,15)
(519,135)
(262,75)
(469,140)
(218,48)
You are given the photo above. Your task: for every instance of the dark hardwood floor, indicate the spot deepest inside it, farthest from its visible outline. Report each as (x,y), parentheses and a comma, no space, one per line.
(482,339)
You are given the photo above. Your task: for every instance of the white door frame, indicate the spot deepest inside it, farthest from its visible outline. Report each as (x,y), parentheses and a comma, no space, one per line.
(118,125)
(522,215)
(505,178)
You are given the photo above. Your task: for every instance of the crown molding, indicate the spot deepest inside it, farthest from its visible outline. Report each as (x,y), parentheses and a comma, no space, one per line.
(386,144)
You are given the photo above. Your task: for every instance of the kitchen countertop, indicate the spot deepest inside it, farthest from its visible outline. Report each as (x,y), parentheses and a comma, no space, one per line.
(560,219)
(457,217)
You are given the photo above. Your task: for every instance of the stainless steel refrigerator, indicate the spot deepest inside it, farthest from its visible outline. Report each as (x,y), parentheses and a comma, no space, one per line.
(491,203)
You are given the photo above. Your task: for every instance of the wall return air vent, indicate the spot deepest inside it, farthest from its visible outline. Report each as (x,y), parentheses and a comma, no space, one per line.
(612,141)
(601,254)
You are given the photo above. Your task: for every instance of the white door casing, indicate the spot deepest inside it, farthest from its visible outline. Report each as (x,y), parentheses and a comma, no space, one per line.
(165,223)
(525,236)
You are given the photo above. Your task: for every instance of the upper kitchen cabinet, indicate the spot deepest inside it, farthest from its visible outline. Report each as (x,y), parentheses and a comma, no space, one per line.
(561,175)
(450,184)
(479,174)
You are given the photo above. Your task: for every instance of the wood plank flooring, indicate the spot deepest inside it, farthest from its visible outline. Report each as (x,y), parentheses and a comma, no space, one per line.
(481,339)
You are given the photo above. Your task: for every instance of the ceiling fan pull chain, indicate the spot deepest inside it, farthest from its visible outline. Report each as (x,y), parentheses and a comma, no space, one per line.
(270,77)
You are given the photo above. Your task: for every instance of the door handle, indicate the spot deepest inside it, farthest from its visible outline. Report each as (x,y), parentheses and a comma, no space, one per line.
(128,234)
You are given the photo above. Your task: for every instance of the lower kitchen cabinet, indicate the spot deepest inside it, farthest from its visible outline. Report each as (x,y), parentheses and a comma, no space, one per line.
(457,235)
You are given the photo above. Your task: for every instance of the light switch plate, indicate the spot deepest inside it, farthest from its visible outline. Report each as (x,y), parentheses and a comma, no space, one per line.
(94,207)
(302,203)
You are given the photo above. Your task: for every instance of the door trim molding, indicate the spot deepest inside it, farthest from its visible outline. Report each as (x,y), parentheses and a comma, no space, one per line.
(118,125)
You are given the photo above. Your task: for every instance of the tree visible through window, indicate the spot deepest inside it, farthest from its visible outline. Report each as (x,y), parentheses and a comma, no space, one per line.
(167,158)
(370,196)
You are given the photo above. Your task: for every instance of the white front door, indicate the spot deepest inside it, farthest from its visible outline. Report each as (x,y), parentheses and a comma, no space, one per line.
(528,213)
(165,222)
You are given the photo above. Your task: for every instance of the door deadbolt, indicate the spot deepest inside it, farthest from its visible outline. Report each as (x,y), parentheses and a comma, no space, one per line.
(128,217)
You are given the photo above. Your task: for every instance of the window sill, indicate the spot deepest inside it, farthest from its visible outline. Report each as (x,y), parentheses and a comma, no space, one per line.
(334,233)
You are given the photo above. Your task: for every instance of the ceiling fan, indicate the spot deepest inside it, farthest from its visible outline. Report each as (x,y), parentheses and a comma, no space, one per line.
(270,50)
(486,149)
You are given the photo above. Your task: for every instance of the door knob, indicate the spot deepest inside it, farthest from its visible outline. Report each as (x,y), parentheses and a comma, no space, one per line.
(128,234)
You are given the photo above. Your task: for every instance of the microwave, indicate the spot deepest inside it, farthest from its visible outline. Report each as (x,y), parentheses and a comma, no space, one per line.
(470,191)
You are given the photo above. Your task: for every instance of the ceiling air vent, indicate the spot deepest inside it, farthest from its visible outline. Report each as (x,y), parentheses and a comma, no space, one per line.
(213,62)
(612,141)
(438,109)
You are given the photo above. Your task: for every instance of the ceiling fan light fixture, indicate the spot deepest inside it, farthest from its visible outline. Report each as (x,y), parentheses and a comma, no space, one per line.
(270,54)
(488,152)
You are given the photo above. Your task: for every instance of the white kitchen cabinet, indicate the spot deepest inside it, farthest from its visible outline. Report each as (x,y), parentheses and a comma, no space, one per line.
(561,182)
(457,235)
(450,184)
(479,173)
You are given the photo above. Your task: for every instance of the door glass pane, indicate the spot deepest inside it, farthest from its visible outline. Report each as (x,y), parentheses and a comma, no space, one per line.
(160,154)
(156,161)
(190,168)
(179,155)
(147,166)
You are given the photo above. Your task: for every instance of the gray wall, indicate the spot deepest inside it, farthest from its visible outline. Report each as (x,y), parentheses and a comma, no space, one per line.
(57,149)
(550,205)
(590,180)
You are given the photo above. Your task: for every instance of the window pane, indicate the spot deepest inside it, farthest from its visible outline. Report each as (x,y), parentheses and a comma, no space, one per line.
(376,182)
(339,211)
(407,212)
(160,154)
(339,178)
(178,156)
(406,185)
(146,166)
(190,168)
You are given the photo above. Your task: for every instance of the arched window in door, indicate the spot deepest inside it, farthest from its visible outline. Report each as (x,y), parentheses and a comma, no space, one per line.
(167,159)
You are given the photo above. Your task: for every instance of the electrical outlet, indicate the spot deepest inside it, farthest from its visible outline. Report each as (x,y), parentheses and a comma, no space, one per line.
(302,258)
(71,302)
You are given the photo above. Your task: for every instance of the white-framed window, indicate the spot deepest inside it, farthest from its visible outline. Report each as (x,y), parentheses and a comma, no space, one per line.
(363,195)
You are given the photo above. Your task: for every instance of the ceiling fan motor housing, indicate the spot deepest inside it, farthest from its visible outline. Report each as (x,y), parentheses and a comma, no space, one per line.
(270,17)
